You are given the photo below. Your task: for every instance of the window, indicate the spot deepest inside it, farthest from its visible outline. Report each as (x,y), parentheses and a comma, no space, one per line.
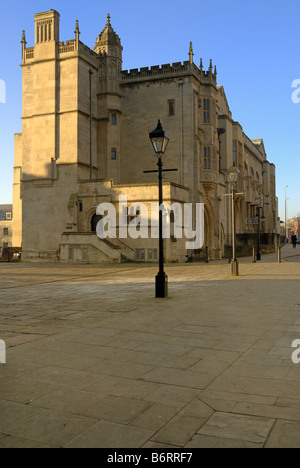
(5,231)
(171,108)
(8,216)
(84,254)
(206,157)
(5,245)
(206,111)
(113,154)
(140,254)
(71,253)
(114,119)
(234,152)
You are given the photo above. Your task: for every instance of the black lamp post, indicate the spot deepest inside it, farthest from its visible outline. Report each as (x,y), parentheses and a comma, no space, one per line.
(233,173)
(258,201)
(160,140)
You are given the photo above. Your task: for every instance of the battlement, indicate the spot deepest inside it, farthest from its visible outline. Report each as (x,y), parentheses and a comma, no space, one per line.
(159,71)
(156,70)
(69,46)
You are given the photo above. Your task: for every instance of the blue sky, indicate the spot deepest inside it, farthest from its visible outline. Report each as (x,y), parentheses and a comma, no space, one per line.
(255,46)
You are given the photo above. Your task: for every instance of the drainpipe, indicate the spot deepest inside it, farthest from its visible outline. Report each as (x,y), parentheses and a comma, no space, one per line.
(181,83)
(91,122)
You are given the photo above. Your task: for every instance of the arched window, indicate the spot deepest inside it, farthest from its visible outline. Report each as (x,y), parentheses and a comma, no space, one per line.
(94,221)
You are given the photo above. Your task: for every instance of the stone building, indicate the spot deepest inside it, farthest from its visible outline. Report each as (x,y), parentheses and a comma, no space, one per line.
(6,216)
(85,141)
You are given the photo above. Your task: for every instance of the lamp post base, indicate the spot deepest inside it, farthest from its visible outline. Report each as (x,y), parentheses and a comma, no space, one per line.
(161,285)
(234,268)
(258,256)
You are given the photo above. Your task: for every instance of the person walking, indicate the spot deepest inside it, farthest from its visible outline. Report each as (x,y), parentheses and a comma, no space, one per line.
(294,241)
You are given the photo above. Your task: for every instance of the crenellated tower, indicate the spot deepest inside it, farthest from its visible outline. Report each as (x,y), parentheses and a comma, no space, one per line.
(109,49)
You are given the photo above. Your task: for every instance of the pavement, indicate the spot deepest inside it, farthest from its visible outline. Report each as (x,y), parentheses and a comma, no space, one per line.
(94,360)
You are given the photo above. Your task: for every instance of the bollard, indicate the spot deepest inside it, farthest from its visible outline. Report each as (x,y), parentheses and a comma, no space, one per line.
(279,254)
(253,255)
(206,254)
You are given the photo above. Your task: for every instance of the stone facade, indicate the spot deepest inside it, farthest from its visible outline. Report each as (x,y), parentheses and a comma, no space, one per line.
(85,141)
(6,216)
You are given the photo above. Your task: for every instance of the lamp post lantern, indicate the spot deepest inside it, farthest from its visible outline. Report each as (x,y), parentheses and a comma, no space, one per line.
(160,140)
(233,174)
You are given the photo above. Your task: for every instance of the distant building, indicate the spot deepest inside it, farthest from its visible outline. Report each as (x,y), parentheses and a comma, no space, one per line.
(6,215)
(85,141)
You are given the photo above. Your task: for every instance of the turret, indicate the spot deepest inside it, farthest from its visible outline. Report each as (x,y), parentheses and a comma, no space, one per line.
(108,42)
(46,27)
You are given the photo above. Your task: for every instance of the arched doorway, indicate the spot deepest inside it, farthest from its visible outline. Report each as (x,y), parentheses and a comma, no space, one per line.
(94,221)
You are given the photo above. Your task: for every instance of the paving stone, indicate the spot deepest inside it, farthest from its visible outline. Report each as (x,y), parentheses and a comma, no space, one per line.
(276,412)
(172,395)
(16,442)
(119,369)
(155,417)
(12,412)
(203,441)
(238,427)
(61,376)
(179,430)
(127,388)
(285,434)
(51,427)
(23,390)
(110,435)
(178,377)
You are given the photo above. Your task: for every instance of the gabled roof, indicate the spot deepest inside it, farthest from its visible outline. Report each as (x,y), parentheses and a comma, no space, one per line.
(221,91)
(260,143)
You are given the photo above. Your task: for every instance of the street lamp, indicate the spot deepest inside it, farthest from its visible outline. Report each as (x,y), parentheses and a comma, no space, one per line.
(160,140)
(233,174)
(258,202)
(285,213)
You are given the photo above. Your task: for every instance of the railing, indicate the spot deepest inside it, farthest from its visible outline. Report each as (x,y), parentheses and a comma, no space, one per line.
(69,46)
